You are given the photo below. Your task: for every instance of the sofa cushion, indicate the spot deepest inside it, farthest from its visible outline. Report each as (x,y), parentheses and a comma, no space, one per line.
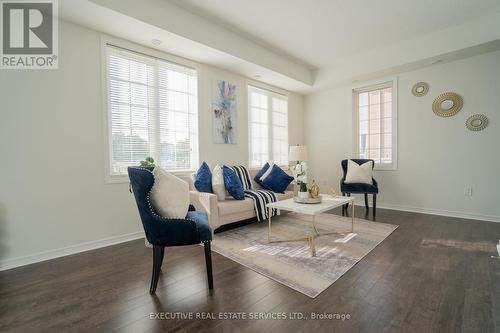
(232,183)
(203,179)
(232,206)
(278,180)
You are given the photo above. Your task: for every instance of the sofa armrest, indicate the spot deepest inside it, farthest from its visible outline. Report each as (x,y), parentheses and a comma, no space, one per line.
(293,187)
(206,202)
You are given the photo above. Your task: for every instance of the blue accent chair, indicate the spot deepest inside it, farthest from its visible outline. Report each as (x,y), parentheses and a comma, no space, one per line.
(163,232)
(359,187)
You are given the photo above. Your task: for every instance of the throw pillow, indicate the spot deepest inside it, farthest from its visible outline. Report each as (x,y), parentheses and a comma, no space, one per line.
(218,183)
(260,173)
(233,183)
(169,194)
(243,175)
(203,179)
(268,171)
(263,173)
(278,180)
(359,173)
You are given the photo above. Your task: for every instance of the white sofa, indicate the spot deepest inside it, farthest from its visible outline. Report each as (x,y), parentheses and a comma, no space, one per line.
(229,210)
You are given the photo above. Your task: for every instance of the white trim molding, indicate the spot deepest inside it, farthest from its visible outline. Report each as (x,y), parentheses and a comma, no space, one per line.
(105,41)
(359,202)
(66,251)
(360,87)
(441,212)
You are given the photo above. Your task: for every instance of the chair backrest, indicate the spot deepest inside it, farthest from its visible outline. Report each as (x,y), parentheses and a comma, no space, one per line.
(359,161)
(141,181)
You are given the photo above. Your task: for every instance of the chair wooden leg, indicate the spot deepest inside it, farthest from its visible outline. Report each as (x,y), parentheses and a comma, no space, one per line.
(374,204)
(162,256)
(208,260)
(366,202)
(346,206)
(158,254)
(343,206)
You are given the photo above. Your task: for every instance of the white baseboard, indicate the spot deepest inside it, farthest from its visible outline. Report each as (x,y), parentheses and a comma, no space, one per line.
(441,212)
(61,252)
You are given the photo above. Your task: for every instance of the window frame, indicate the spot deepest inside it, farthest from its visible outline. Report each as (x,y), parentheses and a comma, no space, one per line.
(270,92)
(369,86)
(106,41)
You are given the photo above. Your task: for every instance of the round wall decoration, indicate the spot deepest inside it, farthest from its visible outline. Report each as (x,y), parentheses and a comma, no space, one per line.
(447,104)
(420,89)
(477,122)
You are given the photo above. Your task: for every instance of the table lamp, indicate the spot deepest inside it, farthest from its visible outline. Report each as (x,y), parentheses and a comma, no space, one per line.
(299,154)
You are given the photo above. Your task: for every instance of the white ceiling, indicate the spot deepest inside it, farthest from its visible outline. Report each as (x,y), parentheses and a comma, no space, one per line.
(301,45)
(317,32)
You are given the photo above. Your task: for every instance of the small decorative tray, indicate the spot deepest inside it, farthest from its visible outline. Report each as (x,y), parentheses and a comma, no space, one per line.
(308,200)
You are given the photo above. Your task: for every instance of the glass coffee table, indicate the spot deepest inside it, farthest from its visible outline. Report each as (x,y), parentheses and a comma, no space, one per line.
(329,202)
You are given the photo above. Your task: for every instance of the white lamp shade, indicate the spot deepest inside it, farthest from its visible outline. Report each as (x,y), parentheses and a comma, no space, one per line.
(298,153)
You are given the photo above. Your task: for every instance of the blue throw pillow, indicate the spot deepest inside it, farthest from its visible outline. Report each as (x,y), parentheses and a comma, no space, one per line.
(232,183)
(260,173)
(203,180)
(278,180)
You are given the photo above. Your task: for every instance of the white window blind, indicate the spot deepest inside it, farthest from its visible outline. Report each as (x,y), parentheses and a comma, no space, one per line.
(268,127)
(376,124)
(152,111)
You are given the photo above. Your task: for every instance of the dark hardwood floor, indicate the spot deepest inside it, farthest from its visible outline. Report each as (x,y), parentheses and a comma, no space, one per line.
(433,274)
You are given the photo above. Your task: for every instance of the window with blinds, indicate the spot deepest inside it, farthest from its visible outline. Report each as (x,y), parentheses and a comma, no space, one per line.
(152,111)
(268,127)
(376,124)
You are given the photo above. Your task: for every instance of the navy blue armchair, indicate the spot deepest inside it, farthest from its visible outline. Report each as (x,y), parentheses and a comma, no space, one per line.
(163,232)
(359,187)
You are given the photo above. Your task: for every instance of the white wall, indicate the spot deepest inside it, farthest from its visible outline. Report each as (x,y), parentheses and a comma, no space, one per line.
(437,157)
(52,192)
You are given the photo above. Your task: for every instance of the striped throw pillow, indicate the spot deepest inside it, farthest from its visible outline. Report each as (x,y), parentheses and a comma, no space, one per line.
(243,175)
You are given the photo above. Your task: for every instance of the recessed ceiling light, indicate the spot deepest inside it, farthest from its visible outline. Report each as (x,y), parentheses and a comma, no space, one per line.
(155,42)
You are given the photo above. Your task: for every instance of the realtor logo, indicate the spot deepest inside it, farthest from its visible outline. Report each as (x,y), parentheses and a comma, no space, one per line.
(29,34)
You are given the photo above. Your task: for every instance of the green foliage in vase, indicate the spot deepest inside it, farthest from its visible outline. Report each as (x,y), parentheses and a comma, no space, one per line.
(303,187)
(148,162)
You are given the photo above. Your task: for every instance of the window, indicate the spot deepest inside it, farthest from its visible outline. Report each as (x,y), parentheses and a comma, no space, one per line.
(268,122)
(152,111)
(375,114)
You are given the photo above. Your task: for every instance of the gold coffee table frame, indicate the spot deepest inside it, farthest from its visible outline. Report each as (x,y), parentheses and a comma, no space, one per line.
(327,204)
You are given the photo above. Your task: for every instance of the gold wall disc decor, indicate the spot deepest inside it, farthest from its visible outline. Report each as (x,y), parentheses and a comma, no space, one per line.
(447,104)
(477,122)
(420,89)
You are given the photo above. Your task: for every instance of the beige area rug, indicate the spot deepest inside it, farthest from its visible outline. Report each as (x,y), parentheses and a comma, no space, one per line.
(291,263)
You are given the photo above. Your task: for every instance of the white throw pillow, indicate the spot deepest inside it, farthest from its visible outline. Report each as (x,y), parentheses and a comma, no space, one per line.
(170,194)
(359,173)
(218,183)
(268,171)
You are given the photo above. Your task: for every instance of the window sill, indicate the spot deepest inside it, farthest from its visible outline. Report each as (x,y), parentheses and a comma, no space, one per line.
(385,168)
(257,168)
(121,179)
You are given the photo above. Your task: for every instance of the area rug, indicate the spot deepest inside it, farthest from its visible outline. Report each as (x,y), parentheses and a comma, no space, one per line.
(291,263)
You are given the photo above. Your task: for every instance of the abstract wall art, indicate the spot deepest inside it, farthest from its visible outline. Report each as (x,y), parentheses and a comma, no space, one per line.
(224,112)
